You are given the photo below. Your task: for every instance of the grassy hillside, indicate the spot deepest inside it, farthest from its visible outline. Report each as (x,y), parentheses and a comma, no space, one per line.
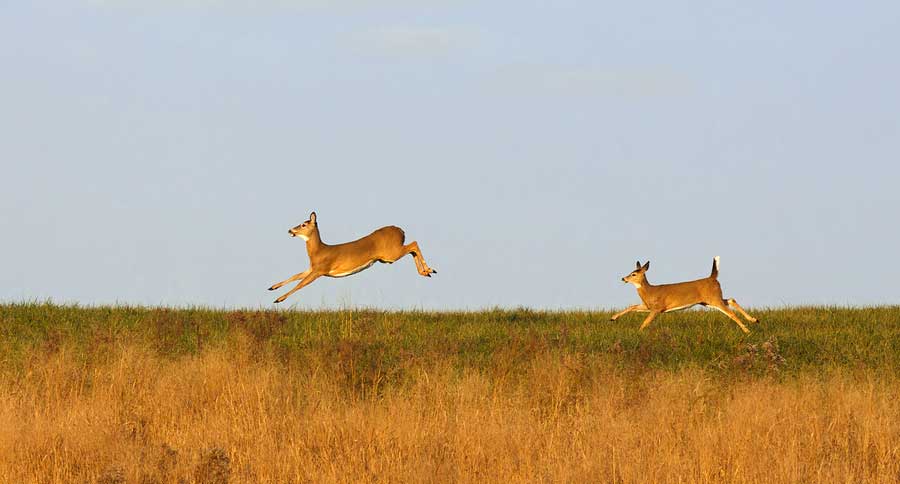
(791,340)
(148,395)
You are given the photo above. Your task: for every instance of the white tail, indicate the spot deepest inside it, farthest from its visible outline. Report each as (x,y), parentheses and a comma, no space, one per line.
(673,297)
(383,245)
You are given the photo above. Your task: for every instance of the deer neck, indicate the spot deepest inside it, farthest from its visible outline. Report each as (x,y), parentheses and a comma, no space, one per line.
(314,243)
(645,288)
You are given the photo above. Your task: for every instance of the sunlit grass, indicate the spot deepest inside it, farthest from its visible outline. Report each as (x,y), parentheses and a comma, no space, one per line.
(147,395)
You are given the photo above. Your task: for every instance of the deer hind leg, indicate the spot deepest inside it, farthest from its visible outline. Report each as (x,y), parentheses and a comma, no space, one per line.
(305,282)
(295,277)
(650,318)
(723,307)
(735,305)
(421,266)
(636,307)
(413,248)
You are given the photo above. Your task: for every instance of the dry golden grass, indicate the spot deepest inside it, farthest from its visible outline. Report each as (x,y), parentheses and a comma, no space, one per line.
(231,414)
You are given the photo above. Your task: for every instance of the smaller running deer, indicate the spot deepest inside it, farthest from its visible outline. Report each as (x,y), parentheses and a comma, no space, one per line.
(383,245)
(673,297)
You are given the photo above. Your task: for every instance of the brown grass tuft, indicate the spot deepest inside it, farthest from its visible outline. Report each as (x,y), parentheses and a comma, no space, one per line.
(214,467)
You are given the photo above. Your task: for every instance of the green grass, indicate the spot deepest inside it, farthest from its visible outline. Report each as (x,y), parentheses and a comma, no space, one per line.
(372,346)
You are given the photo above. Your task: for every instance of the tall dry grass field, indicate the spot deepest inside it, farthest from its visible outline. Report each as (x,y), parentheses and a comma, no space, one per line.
(116,395)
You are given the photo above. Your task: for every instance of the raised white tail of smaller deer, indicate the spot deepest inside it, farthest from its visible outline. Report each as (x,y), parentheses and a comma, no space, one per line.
(673,297)
(384,245)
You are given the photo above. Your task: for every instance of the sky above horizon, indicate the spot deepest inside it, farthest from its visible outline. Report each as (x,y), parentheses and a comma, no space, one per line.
(156,153)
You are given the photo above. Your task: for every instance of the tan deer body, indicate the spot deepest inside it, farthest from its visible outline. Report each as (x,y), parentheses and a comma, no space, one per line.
(665,298)
(384,245)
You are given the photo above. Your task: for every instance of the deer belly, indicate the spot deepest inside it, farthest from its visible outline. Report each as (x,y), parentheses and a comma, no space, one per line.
(352,271)
(678,308)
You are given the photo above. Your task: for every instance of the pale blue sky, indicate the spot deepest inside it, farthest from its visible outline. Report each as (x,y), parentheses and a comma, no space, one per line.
(157,152)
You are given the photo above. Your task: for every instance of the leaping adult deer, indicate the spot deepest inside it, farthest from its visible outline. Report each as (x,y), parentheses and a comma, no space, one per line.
(383,245)
(673,297)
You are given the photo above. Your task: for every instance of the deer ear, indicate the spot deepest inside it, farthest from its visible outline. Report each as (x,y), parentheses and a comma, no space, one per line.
(637,265)
(312,217)
(646,266)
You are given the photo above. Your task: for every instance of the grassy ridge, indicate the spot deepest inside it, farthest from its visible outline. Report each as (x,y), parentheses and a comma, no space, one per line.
(120,395)
(789,340)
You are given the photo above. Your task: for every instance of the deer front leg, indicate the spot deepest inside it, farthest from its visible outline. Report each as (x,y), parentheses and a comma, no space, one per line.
(295,277)
(650,318)
(305,282)
(636,307)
